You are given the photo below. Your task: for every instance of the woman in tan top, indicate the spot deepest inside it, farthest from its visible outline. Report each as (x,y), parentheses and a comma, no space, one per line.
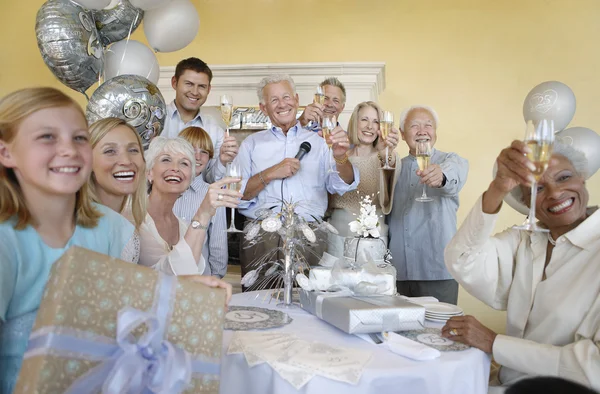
(368,155)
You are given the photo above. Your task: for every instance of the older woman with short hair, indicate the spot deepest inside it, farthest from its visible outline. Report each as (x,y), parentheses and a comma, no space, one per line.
(548,283)
(167,243)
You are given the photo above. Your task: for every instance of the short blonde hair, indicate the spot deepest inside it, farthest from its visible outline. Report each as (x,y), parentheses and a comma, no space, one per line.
(98,131)
(14,109)
(199,138)
(353,123)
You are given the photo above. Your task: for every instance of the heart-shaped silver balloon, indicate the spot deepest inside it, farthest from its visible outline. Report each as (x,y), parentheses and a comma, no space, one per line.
(134,99)
(116,23)
(68,41)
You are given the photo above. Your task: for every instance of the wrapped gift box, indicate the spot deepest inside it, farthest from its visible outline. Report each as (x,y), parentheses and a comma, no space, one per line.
(363,315)
(103,321)
(381,277)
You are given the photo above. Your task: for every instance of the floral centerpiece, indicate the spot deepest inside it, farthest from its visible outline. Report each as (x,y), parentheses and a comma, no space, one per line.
(366,244)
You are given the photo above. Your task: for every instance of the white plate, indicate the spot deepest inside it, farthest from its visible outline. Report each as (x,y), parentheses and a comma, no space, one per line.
(442,314)
(442,308)
(435,319)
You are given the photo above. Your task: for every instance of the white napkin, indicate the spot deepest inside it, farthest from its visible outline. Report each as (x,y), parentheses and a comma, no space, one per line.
(409,348)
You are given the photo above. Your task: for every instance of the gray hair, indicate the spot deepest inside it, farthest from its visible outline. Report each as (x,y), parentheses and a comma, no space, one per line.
(333,81)
(427,108)
(160,145)
(275,78)
(576,158)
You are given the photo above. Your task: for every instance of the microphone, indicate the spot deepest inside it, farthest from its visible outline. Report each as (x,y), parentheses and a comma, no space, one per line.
(304,149)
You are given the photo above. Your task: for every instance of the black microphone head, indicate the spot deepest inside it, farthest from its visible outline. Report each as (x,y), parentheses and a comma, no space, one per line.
(305,146)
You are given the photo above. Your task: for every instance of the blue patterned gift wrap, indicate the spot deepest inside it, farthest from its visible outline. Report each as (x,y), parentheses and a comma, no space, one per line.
(105,325)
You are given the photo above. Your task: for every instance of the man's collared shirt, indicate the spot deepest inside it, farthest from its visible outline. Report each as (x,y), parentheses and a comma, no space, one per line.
(215,244)
(309,185)
(419,231)
(215,170)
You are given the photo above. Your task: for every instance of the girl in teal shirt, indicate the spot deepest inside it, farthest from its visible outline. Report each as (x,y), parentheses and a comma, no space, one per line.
(45,162)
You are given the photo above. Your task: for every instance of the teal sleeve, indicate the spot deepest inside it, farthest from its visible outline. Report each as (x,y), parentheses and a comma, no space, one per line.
(8,274)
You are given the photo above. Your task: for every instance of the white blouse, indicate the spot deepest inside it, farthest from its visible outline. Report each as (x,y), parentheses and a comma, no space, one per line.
(553,326)
(156,253)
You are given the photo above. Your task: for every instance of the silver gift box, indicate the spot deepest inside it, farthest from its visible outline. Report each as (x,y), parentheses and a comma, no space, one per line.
(364,315)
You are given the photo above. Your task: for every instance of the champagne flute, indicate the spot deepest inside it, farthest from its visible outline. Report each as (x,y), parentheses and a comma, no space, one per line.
(539,137)
(318,99)
(234,170)
(385,126)
(226,110)
(423,158)
(327,127)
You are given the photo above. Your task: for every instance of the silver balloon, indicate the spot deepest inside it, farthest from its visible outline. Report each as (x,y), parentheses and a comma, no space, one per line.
(133,99)
(68,41)
(116,23)
(550,100)
(584,140)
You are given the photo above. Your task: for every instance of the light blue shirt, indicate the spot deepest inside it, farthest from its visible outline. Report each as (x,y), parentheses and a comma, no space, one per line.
(309,185)
(214,250)
(215,170)
(419,231)
(25,263)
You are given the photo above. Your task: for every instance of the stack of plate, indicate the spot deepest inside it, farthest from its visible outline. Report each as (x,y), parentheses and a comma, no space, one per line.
(440,311)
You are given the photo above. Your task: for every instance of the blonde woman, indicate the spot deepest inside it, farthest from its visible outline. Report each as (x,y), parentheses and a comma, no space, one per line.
(367,155)
(118,172)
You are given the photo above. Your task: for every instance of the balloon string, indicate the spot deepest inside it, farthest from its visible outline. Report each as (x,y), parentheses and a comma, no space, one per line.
(127,42)
(151,68)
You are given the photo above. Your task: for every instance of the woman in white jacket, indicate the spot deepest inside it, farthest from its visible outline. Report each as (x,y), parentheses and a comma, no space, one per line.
(549,283)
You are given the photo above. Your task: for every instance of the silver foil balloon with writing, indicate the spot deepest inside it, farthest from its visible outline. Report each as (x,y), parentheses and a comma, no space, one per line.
(134,99)
(68,41)
(116,23)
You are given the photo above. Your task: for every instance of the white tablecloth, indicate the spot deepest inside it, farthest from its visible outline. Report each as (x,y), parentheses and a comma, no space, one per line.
(464,372)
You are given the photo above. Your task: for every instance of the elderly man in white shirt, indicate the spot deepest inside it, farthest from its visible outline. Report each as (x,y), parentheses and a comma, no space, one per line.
(548,282)
(192,85)
(271,172)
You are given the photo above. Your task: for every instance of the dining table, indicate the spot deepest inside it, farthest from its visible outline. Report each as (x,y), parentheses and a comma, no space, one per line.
(454,372)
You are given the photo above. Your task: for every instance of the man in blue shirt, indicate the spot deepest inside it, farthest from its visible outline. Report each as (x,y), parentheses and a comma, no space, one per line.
(271,173)
(419,231)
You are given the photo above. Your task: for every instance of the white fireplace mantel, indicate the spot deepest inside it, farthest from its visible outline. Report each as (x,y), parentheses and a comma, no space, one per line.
(363,81)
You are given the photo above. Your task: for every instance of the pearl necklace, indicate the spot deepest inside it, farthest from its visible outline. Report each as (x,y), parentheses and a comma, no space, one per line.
(550,239)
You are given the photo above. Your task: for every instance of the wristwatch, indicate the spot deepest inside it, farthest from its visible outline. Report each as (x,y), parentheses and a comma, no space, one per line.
(197,225)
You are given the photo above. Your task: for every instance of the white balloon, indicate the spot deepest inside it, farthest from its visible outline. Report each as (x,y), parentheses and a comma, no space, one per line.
(93,4)
(586,141)
(148,4)
(550,100)
(131,58)
(172,27)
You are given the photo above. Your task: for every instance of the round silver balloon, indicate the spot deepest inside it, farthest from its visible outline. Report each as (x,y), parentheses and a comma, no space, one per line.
(584,140)
(133,99)
(114,24)
(68,41)
(550,100)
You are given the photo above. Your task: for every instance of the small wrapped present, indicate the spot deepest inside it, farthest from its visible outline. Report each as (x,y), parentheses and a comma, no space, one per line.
(368,278)
(363,315)
(108,326)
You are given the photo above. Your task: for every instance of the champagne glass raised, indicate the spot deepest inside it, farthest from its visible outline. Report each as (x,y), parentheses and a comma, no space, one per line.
(234,170)
(423,159)
(226,110)
(385,126)
(327,127)
(539,137)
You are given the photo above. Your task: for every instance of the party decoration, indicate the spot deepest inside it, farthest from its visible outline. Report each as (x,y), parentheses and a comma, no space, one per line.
(550,100)
(93,4)
(586,141)
(134,99)
(117,21)
(149,4)
(171,27)
(131,57)
(68,41)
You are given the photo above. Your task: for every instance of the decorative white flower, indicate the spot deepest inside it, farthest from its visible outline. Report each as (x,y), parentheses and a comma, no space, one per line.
(249,279)
(252,232)
(367,222)
(309,234)
(271,224)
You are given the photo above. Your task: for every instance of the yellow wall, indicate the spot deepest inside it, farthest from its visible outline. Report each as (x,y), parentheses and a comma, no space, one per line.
(473,60)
